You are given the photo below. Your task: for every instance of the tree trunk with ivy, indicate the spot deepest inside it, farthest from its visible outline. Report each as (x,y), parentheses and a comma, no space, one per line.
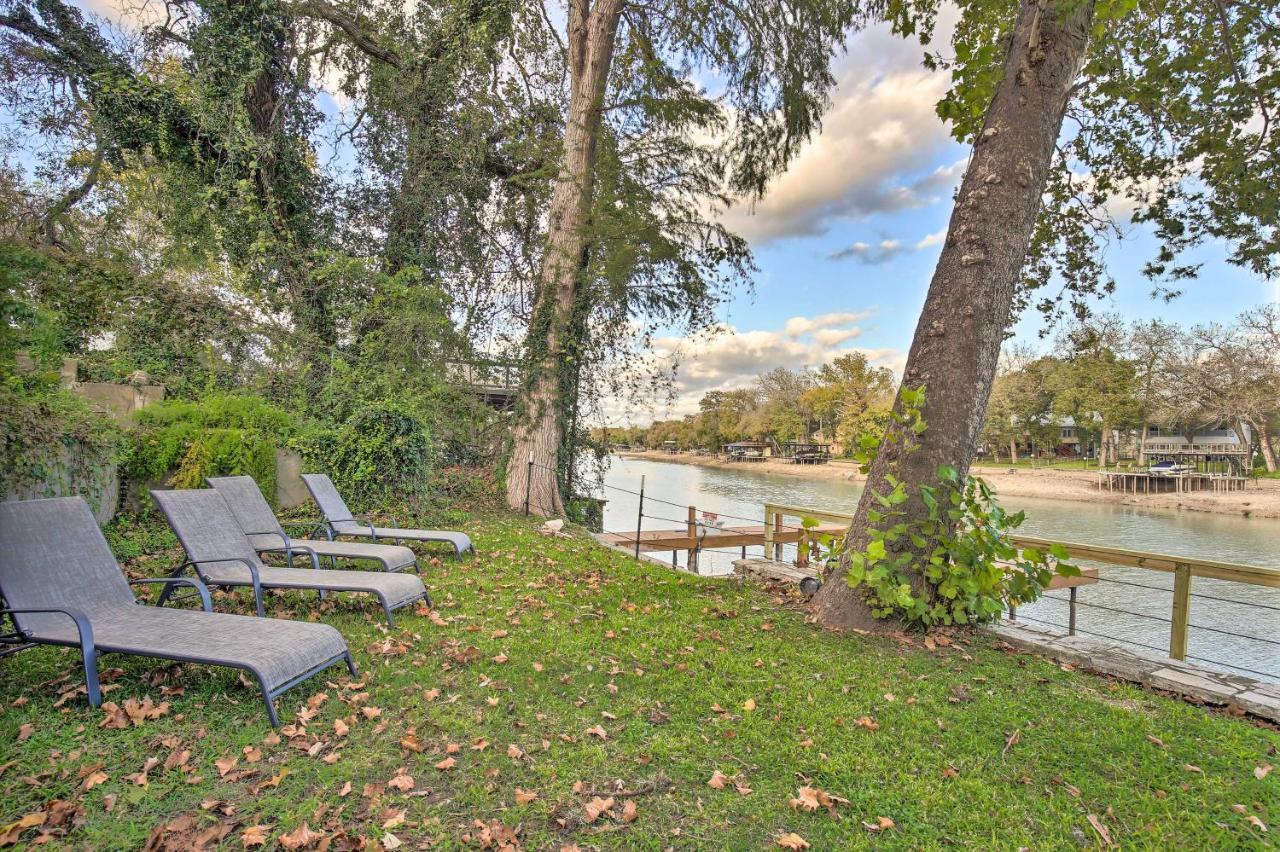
(543,406)
(957,341)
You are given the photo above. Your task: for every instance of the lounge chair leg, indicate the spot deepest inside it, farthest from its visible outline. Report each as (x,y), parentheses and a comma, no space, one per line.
(271,709)
(391,619)
(351,664)
(91,684)
(257,599)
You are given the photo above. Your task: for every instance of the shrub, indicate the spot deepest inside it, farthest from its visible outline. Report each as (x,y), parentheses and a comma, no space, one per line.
(221,435)
(381,456)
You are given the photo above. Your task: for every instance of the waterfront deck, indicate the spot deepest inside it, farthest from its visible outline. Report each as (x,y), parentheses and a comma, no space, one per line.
(707,537)
(1145,482)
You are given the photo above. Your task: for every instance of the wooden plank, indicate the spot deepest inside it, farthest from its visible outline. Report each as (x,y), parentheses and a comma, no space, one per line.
(1251,574)
(1181,611)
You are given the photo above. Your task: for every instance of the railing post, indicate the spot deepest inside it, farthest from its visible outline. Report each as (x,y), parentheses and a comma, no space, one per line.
(1071,613)
(802,548)
(691,529)
(528,483)
(639,517)
(1181,611)
(769,513)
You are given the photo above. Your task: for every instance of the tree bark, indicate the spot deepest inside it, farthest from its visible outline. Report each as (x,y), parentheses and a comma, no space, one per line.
(1013,450)
(1261,424)
(542,409)
(956,347)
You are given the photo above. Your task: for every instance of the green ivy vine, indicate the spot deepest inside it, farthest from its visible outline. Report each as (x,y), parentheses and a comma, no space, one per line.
(960,543)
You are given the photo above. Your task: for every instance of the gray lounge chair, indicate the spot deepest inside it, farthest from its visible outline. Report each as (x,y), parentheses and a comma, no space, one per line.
(62,586)
(339,520)
(267,535)
(221,555)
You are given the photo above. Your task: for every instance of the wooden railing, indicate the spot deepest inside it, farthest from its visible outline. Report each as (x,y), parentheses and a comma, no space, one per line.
(1183,568)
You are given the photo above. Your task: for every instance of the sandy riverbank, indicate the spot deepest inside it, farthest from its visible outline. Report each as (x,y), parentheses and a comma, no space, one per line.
(1260,500)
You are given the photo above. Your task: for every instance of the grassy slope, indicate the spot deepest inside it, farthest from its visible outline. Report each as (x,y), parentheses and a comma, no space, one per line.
(585,633)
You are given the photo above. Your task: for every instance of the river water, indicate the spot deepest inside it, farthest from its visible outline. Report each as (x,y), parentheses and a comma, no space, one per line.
(1145,596)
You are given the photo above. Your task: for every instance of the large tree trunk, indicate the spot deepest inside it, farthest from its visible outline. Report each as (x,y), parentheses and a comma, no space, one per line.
(1268,448)
(957,341)
(543,408)
(1013,450)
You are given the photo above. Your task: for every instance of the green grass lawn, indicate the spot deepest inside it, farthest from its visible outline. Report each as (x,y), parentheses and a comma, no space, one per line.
(564,695)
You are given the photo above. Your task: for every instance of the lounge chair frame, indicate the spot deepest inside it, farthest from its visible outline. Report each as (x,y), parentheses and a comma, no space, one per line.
(19,639)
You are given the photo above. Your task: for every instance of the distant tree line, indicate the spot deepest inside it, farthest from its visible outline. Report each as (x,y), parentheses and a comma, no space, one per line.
(833,403)
(1113,379)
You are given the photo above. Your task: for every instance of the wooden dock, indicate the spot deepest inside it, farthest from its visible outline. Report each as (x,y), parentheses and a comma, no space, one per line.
(1144,482)
(707,537)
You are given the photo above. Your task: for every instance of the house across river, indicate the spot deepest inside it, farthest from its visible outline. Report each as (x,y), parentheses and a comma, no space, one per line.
(801,452)
(747,451)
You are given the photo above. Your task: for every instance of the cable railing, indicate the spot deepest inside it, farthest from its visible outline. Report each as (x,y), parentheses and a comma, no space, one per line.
(1103,612)
(1178,622)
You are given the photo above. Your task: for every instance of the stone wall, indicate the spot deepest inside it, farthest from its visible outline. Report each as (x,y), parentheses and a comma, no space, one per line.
(291,491)
(71,471)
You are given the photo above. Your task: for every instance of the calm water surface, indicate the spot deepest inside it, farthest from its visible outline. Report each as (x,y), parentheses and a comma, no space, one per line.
(1216,606)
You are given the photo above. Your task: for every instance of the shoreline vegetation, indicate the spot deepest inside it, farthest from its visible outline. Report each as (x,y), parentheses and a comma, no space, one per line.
(1260,500)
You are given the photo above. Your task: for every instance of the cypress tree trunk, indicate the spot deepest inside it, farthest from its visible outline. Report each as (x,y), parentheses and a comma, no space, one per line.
(543,409)
(956,347)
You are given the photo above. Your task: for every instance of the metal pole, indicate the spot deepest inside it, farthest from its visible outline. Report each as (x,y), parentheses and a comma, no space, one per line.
(528,483)
(639,517)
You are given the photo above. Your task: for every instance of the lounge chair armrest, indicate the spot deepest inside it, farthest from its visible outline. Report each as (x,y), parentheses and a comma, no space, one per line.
(206,603)
(248,563)
(333,525)
(83,627)
(369,519)
(292,547)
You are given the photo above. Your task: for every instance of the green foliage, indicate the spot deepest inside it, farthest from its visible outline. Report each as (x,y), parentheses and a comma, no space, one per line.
(945,557)
(1164,121)
(381,456)
(227,452)
(222,435)
(51,438)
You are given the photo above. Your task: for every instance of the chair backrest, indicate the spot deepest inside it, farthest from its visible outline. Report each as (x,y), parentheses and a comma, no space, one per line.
(331,504)
(52,554)
(207,530)
(251,510)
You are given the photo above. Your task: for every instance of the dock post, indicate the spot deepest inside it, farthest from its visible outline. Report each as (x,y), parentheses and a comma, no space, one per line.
(777,530)
(639,517)
(1071,613)
(1181,611)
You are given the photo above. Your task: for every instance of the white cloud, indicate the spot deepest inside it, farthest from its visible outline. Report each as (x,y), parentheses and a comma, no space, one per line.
(835,336)
(937,238)
(725,358)
(800,326)
(887,249)
(876,151)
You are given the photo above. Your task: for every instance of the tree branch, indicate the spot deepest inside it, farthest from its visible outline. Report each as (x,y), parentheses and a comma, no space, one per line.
(350,26)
